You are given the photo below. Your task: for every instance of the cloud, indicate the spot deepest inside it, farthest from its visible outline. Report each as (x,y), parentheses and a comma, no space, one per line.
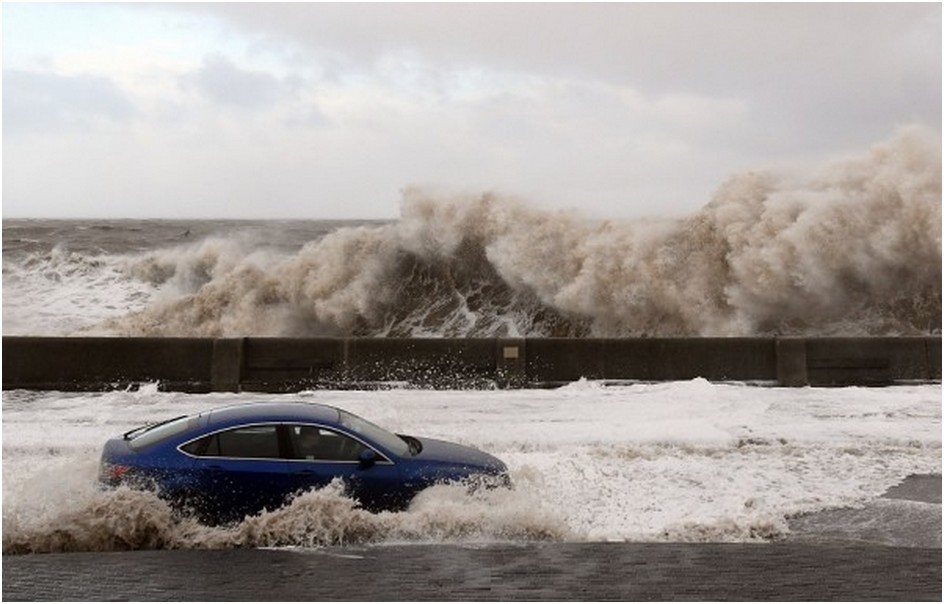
(330,109)
(811,72)
(221,81)
(36,101)
(651,46)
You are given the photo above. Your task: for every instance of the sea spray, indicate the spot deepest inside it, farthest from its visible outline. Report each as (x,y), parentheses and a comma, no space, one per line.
(853,248)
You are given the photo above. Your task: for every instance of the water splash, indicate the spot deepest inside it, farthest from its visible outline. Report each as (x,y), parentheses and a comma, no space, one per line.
(125,519)
(853,248)
(690,461)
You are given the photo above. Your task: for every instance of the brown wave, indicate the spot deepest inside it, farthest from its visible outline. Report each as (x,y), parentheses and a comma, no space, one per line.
(852,248)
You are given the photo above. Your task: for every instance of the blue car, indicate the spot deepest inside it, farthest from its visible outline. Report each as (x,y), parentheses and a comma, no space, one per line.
(229,462)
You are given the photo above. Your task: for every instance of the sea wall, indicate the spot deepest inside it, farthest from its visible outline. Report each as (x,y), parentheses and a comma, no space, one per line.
(289,364)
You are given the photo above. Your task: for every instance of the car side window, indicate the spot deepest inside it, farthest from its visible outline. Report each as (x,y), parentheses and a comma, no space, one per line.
(321,444)
(206,446)
(251,442)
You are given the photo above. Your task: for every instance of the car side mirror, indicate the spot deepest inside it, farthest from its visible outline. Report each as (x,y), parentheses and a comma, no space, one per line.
(367,458)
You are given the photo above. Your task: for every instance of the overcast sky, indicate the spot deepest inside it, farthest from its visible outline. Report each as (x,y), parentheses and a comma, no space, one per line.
(330,110)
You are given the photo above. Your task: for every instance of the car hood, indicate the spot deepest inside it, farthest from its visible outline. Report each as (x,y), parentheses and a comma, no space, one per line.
(443,452)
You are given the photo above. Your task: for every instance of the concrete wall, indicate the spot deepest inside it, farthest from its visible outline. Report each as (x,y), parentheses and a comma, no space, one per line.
(651,359)
(106,363)
(291,364)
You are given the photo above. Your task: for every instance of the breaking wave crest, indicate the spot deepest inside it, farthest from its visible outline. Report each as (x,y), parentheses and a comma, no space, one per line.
(853,248)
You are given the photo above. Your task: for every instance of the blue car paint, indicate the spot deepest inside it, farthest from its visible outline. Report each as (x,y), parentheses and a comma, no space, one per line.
(224,489)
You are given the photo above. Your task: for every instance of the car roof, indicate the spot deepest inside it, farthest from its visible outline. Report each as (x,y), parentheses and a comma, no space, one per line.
(268,411)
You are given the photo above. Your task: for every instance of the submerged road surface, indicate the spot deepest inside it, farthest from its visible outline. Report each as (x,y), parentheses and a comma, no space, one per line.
(855,554)
(569,571)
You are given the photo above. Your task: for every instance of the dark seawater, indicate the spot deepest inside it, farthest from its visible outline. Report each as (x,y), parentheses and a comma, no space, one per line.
(22,237)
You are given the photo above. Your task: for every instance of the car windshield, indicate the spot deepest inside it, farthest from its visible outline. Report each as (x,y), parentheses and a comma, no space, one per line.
(388,440)
(155,433)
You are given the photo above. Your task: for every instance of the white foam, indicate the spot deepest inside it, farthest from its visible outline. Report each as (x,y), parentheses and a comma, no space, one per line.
(62,293)
(674,461)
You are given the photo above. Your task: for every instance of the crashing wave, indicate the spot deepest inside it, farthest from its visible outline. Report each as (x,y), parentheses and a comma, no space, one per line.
(852,249)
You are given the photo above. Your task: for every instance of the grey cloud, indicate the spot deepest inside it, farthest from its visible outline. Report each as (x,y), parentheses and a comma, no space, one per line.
(220,80)
(644,45)
(620,108)
(813,74)
(42,101)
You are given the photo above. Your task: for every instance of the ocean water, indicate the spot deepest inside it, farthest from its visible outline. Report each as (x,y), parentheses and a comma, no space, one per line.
(683,461)
(73,277)
(849,248)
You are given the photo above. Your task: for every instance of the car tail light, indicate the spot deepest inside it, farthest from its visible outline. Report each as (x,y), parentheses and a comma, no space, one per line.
(113,473)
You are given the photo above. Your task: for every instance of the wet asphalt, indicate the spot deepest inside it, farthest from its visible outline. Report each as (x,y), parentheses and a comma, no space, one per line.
(888,550)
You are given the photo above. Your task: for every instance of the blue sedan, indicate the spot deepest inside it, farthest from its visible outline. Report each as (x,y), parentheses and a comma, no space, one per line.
(232,461)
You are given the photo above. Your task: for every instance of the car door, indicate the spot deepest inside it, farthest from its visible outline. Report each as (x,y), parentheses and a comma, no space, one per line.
(320,454)
(240,471)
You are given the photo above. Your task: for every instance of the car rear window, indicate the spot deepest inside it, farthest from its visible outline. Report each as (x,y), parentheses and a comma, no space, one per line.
(146,436)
